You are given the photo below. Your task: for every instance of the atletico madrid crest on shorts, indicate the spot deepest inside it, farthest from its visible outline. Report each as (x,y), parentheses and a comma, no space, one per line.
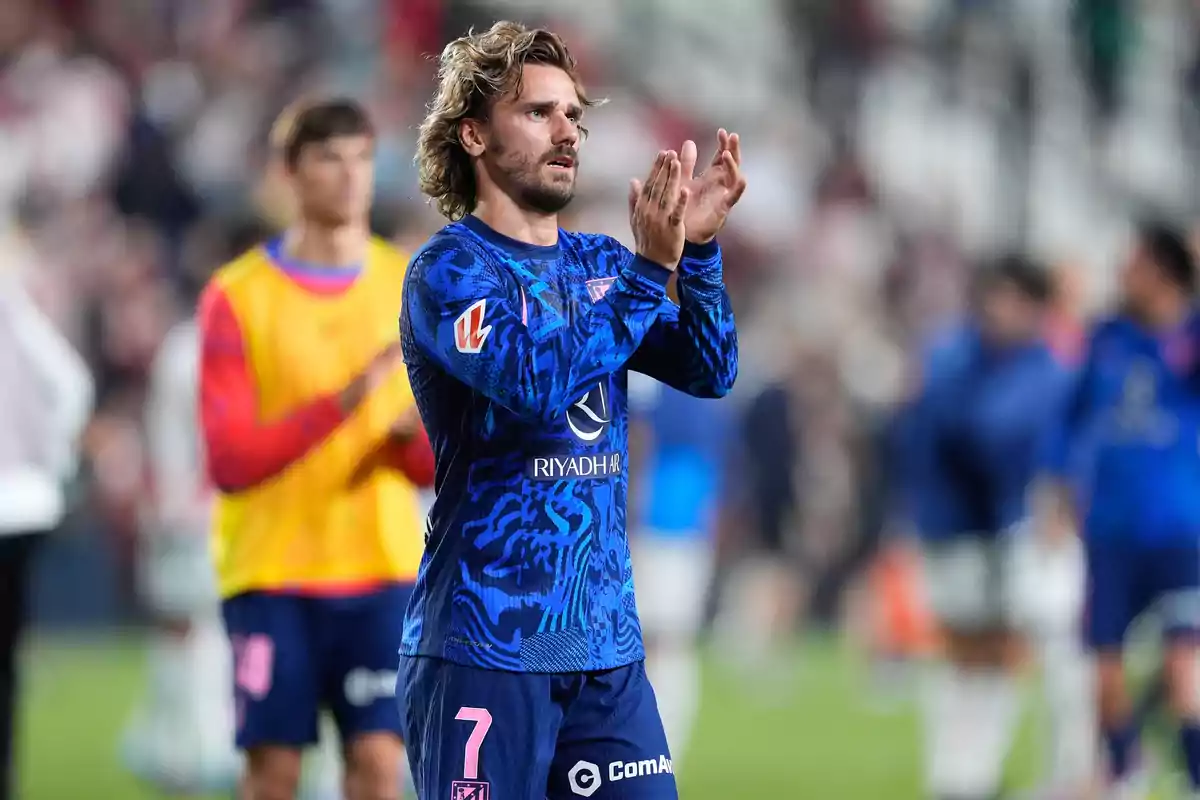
(470,790)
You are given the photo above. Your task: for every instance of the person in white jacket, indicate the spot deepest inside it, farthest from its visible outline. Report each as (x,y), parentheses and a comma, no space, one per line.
(46,396)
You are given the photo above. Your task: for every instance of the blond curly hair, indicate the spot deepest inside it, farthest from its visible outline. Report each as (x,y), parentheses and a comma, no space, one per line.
(473,71)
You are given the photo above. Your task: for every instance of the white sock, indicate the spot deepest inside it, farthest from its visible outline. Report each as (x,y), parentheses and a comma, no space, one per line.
(970,722)
(674,672)
(1068,683)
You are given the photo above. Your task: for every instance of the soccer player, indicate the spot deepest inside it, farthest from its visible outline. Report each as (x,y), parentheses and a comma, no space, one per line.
(1136,414)
(522,673)
(314,447)
(976,437)
(678,455)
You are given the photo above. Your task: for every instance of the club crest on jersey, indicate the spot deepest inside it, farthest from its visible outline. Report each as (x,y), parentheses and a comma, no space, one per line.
(589,416)
(469,331)
(598,287)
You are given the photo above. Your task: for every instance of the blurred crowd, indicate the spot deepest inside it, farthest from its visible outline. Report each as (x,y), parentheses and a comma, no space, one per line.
(891,145)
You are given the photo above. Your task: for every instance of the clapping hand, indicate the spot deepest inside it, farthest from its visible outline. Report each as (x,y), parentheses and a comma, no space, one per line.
(657,209)
(716,190)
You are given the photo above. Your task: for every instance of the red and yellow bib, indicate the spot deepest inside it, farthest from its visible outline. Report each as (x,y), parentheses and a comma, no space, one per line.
(337,519)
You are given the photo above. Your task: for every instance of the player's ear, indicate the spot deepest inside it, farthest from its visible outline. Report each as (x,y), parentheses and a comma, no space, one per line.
(472,134)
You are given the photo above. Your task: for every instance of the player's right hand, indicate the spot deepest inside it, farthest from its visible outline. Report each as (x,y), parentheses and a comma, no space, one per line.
(386,362)
(656,211)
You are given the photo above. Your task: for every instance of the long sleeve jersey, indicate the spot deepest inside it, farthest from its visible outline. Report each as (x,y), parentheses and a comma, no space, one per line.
(518,357)
(979,434)
(1130,439)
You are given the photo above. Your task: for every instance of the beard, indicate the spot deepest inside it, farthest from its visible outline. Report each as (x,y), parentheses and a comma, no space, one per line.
(523,179)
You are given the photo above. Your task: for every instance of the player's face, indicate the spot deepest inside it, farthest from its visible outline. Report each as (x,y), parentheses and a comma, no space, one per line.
(335,179)
(1138,279)
(1007,315)
(533,140)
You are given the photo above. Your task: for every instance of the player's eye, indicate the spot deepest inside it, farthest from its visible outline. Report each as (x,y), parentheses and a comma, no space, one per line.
(538,113)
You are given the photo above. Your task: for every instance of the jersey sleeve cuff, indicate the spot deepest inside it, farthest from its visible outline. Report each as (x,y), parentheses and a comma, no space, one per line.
(653,272)
(702,261)
(701,252)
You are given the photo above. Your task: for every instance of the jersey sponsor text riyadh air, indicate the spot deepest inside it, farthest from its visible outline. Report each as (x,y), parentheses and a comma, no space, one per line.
(518,356)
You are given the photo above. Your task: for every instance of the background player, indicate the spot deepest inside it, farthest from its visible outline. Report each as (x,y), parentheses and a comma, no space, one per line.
(977,434)
(1136,415)
(677,455)
(314,446)
(179,736)
(523,675)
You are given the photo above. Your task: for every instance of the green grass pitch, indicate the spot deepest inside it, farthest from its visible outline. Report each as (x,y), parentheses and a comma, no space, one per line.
(820,732)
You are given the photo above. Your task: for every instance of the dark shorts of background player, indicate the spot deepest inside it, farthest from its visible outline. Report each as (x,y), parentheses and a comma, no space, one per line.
(479,734)
(295,655)
(1125,579)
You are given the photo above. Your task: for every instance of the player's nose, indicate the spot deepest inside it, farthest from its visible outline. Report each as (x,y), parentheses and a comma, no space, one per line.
(566,130)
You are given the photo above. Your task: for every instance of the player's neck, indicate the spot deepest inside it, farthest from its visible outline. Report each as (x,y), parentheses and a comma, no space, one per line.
(508,219)
(339,246)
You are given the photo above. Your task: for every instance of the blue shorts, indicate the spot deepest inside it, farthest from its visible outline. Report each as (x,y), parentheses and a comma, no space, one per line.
(1127,579)
(479,734)
(294,655)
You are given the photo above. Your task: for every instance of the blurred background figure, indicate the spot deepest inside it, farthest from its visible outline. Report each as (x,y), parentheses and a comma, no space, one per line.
(1134,411)
(679,450)
(178,738)
(976,434)
(45,400)
(892,145)
(314,445)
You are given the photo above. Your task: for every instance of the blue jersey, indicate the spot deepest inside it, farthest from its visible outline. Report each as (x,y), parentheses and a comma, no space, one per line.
(1135,415)
(679,485)
(518,356)
(979,434)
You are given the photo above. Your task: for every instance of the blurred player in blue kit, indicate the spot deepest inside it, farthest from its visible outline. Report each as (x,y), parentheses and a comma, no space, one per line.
(678,453)
(976,438)
(522,671)
(1136,414)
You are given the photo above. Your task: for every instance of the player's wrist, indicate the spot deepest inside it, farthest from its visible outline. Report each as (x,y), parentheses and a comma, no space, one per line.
(651,269)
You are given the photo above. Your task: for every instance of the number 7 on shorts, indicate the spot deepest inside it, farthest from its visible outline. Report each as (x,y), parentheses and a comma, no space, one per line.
(471,788)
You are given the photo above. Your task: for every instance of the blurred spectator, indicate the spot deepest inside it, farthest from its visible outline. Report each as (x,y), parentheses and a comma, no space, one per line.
(45,399)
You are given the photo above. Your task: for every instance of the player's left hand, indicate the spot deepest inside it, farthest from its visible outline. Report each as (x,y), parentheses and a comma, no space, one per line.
(715,190)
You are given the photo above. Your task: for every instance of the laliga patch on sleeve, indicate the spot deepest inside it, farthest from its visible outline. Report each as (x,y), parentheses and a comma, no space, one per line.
(469,331)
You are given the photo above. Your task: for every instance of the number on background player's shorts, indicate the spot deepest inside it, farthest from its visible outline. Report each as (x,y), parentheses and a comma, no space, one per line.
(295,655)
(475,734)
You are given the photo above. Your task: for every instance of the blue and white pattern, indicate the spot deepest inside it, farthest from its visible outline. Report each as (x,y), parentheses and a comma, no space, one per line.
(527,565)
